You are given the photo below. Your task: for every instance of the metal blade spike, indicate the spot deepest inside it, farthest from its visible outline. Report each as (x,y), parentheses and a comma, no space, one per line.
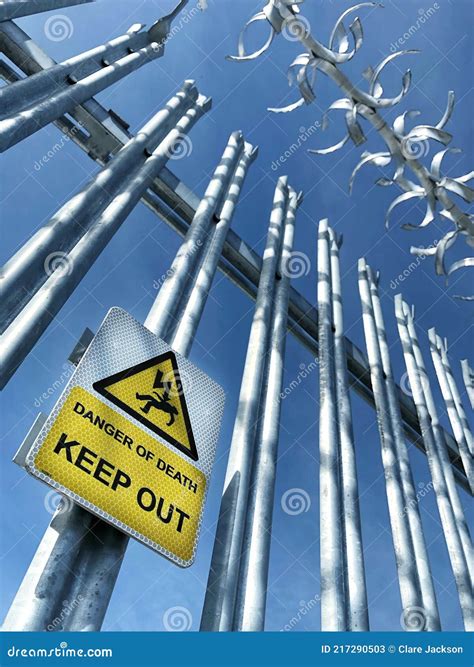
(378,159)
(448,112)
(443,245)
(399,200)
(242,55)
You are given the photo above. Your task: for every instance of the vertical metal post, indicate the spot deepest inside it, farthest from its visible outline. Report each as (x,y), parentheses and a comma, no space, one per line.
(333,599)
(219,602)
(166,307)
(460,428)
(468,377)
(28,269)
(13,9)
(31,322)
(355,586)
(428,616)
(456,397)
(39,597)
(30,120)
(54,77)
(81,555)
(99,557)
(440,442)
(452,516)
(252,584)
(30,104)
(189,315)
(402,539)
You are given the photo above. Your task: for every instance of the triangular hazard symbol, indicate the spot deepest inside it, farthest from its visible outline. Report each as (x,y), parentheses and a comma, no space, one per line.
(152,393)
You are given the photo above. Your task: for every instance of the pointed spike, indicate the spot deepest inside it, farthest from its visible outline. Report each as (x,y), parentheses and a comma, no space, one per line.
(443,245)
(448,112)
(287,109)
(368,73)
(378,159)
(399,200)
(242,55)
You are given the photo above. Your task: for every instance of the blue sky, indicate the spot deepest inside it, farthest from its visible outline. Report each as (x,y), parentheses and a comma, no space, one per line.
(141,252)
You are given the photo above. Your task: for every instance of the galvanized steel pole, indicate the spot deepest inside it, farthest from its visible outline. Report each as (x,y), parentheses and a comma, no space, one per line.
(333,598)
(219,602)
(440,442)
(468,377)
(456,397)
(31,322)
(460,428)
(30,104)
(252,584)
(166,306)
(452,516)
(58,77)
(29,268)
(428,617)
(355,586)
(30,120)
(397,503)
(39,598)
(189,314)
(14,9)
(81,555)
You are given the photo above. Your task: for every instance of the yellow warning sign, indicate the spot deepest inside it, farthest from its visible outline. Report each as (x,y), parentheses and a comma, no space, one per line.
(113,464)
(152,392)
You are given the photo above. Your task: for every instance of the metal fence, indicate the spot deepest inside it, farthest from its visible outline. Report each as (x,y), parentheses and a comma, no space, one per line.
(133,169)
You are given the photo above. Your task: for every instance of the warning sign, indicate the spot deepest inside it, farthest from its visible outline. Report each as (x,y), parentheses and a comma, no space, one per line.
(133,437)
(153,393)
(127,474)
